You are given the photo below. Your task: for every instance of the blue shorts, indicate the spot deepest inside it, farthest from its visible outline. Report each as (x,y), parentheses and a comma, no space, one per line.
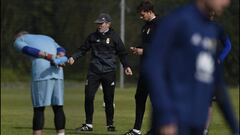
(47,92)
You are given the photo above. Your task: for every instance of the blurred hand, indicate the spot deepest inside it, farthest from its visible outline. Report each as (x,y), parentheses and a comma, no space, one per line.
(136,51)
(60,60)
(128,71)
(62,65)
(168,130)
(71,60)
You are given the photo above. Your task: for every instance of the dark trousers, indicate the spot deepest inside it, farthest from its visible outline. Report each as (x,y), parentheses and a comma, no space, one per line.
(183,129)
(59,117)
(140,101)
(108,83)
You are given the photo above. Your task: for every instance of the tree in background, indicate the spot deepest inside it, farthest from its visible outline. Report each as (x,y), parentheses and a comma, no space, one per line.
(69,22)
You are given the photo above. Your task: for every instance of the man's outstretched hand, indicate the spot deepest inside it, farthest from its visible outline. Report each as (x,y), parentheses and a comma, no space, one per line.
(71,60)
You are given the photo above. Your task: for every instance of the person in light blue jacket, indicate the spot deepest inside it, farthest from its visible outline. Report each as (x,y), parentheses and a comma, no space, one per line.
(47,86)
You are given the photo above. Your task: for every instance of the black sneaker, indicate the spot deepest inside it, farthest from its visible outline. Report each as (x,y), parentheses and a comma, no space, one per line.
(84,127)
(111,128)
(131,132)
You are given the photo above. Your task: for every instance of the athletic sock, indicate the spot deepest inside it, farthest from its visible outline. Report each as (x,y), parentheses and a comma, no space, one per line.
(137,131)
(90,125)
(205,131)
(61,133)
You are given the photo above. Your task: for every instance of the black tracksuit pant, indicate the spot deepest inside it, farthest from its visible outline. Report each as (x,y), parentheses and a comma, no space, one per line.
(140,100)
(108,83)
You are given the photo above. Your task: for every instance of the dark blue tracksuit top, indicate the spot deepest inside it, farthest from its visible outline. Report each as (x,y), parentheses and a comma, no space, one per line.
(182,71)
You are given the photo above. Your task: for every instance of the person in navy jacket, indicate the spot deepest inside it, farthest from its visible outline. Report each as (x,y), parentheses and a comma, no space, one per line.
(182,71)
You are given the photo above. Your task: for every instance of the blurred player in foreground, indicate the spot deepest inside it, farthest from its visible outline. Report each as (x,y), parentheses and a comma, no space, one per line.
(182,70)
(47,87)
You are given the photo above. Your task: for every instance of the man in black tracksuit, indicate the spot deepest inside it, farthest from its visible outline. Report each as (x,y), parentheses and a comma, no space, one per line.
(146,12)
(105,46)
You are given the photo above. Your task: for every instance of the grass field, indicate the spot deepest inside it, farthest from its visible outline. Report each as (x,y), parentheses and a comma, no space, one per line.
(16,112)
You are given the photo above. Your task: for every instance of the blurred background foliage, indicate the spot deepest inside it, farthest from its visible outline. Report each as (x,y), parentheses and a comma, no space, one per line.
(70,21)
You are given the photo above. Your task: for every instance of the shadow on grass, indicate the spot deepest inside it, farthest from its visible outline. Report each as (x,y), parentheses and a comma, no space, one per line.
(71,131)
(93,133)
(31,128)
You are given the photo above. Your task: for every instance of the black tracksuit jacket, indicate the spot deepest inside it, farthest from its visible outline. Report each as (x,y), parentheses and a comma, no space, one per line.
(147,33)
(105,47)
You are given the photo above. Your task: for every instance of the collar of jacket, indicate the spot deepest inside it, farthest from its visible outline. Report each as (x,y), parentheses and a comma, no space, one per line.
(106,33)
(153,20)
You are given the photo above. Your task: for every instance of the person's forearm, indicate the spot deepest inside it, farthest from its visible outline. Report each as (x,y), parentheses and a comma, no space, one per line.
(37,53)
(31,51)
(226,50)
(77,55)
(124,61)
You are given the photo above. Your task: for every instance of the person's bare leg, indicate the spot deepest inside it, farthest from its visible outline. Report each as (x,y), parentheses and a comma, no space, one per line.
(208,120)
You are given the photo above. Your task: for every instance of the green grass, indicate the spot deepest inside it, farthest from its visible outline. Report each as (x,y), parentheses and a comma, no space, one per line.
(16,112)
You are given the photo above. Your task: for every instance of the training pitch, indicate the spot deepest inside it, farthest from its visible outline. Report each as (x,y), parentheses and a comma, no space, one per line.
(16,111)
